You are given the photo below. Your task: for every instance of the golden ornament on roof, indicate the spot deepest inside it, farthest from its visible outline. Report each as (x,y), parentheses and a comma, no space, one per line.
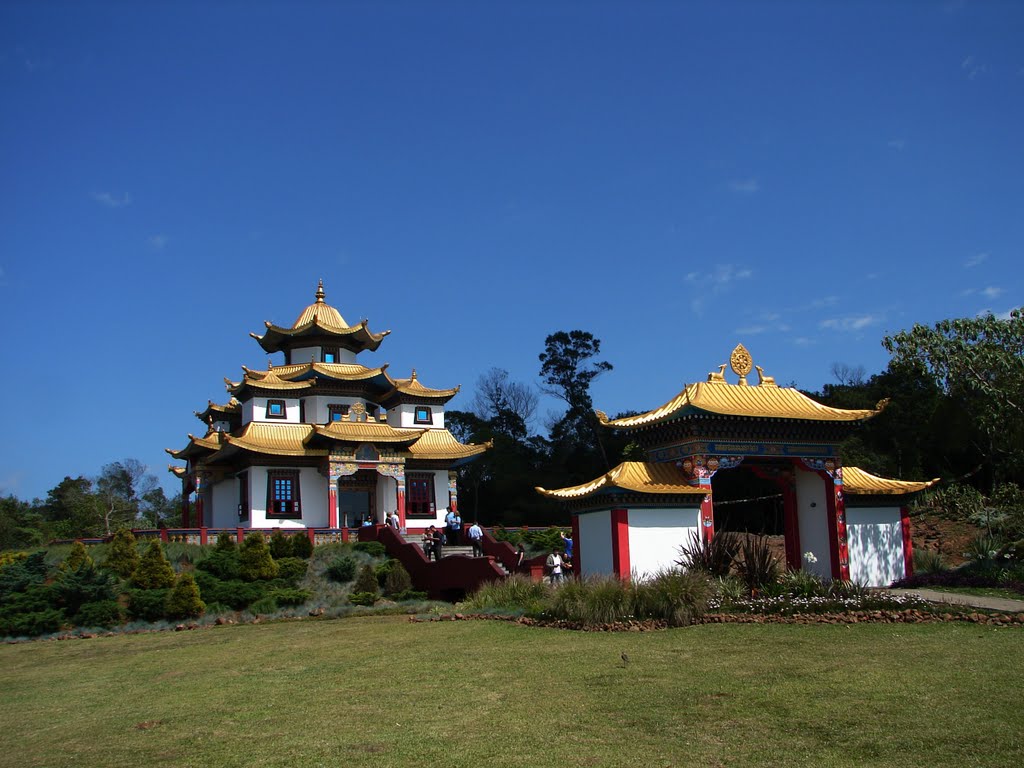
(741,362)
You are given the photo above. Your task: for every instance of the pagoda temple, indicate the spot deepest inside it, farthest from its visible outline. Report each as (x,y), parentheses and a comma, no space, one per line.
(321,441)
(838,522)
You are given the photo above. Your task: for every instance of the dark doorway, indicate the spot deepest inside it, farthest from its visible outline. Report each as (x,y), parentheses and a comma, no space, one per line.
(746,503)
(356,498)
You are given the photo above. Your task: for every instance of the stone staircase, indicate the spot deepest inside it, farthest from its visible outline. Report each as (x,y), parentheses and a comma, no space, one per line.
(448,550)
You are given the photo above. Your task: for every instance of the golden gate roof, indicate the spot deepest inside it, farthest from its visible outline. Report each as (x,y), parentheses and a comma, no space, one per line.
(637,476)
(859,482)
(760,401)
(276,439)
(414,389)
(366,432)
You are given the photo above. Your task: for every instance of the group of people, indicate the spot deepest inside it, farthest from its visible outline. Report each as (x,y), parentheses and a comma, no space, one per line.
(434,539)
(559,562)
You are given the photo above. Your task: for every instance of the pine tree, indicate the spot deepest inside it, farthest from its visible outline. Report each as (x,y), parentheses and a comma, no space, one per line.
(280,546)
(183,601)
(77,557)
(225,542)
(397,580)
(123,557)
(154,571)
(256,562)
(302,546)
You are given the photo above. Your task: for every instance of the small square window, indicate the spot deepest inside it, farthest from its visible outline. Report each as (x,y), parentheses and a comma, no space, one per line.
(423,415)
(337,412)
(330,354)
(276,409)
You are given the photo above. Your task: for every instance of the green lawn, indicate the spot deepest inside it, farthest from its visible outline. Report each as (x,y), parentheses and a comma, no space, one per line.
(386,692)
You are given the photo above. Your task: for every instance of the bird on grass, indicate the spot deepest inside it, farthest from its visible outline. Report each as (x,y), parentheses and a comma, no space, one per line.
(625,658)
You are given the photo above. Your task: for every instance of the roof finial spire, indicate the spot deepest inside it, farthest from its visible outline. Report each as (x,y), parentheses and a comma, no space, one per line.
(414,373)
(320,292)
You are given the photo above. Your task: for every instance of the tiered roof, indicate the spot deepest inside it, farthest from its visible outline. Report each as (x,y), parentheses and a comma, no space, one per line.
(320,320)
(635,476)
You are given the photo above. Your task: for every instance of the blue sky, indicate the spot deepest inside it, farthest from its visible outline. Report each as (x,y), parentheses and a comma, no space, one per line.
(673,177)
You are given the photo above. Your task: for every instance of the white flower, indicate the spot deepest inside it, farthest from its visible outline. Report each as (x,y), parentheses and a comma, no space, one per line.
(810,558)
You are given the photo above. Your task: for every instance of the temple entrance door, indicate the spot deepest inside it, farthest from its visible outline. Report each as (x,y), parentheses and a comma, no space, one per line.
(357,498)
(757,498)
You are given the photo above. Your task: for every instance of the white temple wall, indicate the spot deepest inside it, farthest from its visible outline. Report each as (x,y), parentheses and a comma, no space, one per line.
(812,517)
(302,355)
(655,536)
(259,410)
(595,544)
(404,417)
(387,498)
(313,489)
(874,536)
(224,512)
(316,407)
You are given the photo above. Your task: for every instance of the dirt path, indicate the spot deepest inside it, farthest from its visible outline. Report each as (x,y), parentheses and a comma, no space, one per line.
(975,601)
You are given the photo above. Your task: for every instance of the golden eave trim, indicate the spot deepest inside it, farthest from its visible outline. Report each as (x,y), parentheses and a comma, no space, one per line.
(858,482)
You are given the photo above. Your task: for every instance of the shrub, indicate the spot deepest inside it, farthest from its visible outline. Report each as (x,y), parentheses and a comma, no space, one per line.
(383,568)
(17,576)
(225,543)
(342,570)
(103,613)
(758,567)
(254,558)
(77,557)
(222,563)
(363,598)
(799,584)
(372,548)
(153,572)
(290,597)
(409,594)
(593,600)
(85,584)
(280,545)
(675,596)
(929,561)
(984,548)
(366,581)
(235,593)
(123,557)
(957,501)
(31,624)
(397,580)
(714,556)
(147,604)
(183,601)
(292,569)
(264,606)
(302,546)
(516,593)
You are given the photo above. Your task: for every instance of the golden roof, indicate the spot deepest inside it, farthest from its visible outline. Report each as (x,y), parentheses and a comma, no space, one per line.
(760,401)
(366,432)
(268,379)
(414,388)
(211,441)
(638,476)
(339,371)
(177,471)
(276,439)
(857,481)
(441,444)
(319,317)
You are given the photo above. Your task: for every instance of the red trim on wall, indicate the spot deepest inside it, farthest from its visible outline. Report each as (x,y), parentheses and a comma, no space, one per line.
(401,509)
(184,505)
(908,545)
(620,543)
(833,527)
(199,510)
(576,559)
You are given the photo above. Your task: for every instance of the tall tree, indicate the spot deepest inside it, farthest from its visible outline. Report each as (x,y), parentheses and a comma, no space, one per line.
(567,370)
(980,361)
(508,406)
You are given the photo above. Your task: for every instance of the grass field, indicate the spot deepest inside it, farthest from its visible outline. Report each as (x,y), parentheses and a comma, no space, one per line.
(386,692)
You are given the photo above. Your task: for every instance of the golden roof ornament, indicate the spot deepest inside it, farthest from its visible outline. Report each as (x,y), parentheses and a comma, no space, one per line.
(741,363)
(320,292)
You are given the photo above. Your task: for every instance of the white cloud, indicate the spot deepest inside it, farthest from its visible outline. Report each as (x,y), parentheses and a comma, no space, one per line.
(112,201)
(897,144)
(992,292)
(975,260)
(851,323)
(745,186)
(803,341)
(972,67)
(158,242)
(752,330)
(998,315)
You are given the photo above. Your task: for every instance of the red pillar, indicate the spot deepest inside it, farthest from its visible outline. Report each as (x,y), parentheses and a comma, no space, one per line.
(838,551)
(908,545)
(794,558)
(199,510)
(576,559)
(620,543)
(332,509)
(707,516)
(400,500)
